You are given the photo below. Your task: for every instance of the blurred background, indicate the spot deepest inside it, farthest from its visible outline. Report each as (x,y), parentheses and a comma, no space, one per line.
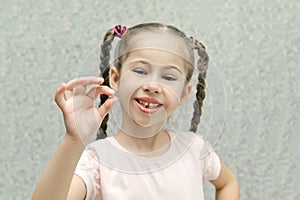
(254,44)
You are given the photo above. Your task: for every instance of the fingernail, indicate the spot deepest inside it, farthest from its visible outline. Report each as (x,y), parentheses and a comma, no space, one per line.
(100,80)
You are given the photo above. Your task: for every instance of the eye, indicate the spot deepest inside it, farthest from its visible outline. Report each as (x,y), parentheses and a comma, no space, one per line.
(169,78)
(140,71)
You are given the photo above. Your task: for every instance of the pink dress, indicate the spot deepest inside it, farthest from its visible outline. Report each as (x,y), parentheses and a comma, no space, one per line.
(111,172)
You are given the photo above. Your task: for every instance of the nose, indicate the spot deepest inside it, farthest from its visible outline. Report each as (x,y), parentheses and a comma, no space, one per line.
(152,88)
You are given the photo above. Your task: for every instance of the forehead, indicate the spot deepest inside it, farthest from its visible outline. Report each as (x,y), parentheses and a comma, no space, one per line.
(165,42)
(155,56)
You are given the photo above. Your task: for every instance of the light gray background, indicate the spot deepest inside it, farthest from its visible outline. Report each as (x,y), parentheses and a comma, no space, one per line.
(255,45)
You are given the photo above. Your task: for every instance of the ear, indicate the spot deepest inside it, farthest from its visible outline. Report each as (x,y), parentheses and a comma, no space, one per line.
(186,91)
(114,78)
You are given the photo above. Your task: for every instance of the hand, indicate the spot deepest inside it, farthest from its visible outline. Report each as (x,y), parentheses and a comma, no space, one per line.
(81,118)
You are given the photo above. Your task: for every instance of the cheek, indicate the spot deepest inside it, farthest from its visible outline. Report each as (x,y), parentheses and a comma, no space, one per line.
(175,90)
(173,97)
(127,86)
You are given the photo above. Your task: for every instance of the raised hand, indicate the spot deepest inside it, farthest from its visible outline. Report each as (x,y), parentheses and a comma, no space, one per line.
(81,118)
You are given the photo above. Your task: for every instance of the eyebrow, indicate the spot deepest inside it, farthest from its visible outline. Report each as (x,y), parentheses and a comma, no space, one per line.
(139,61)
(166,66)
(175,67)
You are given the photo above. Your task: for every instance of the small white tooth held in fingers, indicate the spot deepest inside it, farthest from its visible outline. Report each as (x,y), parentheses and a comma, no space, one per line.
(113,94)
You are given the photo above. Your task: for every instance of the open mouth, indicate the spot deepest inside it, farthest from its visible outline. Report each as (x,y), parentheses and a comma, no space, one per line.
(147,104)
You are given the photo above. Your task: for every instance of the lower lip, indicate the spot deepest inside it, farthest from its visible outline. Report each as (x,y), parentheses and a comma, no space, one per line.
(146,110)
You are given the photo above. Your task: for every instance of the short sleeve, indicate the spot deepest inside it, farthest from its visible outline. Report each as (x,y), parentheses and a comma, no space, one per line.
(211,164)
(88,169)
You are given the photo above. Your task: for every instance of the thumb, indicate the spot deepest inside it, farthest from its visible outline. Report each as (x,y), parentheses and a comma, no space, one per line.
(106,107)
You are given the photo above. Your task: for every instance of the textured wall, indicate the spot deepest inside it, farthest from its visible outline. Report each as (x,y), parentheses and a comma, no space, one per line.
(255,45)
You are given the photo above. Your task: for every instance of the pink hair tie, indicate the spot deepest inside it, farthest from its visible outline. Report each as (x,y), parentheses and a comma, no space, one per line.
(193,40)
(120,30)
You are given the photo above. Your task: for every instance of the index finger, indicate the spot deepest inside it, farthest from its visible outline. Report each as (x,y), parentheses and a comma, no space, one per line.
(85,81)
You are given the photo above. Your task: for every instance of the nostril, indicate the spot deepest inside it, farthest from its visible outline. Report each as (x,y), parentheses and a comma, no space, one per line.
(154,88)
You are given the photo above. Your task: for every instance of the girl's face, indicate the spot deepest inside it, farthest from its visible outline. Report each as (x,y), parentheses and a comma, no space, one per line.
(151,84)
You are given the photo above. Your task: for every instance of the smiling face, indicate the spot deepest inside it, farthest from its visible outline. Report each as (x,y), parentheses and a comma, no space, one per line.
(152,81)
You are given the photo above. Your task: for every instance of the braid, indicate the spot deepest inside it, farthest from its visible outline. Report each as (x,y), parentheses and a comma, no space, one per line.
(104,69)
(123,46)
(202,65)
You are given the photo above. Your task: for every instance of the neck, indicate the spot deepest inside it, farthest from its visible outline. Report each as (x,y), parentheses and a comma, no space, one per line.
(152,146)
(138,139)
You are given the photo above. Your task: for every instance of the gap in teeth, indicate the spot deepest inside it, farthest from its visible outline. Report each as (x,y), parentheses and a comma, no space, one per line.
(147,104)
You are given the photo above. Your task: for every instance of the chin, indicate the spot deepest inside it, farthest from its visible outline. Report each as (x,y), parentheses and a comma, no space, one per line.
(149,121)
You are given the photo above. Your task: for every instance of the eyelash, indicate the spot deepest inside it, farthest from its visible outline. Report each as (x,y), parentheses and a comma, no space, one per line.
(165,77)
(169,78)
(140,71)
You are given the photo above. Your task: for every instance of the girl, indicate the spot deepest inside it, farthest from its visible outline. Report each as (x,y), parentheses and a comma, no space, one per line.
(151,74)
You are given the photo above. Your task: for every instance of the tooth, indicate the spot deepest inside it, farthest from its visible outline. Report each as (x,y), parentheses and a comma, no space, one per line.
(147,104)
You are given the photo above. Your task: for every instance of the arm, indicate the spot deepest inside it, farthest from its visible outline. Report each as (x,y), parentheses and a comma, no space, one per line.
(57,177)
(81,119)
(227,186)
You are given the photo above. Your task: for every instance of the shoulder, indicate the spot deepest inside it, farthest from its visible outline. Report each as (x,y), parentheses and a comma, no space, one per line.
(196,142)
(99,143)
(92,150)
(189,142)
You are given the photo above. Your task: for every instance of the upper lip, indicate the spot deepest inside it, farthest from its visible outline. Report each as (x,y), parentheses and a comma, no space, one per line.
(149,99)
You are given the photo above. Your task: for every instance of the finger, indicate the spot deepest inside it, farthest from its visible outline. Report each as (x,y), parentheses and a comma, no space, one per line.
(95,91)
(85,81)
(106,107)
(79,89)
(59,95)
(68,94)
